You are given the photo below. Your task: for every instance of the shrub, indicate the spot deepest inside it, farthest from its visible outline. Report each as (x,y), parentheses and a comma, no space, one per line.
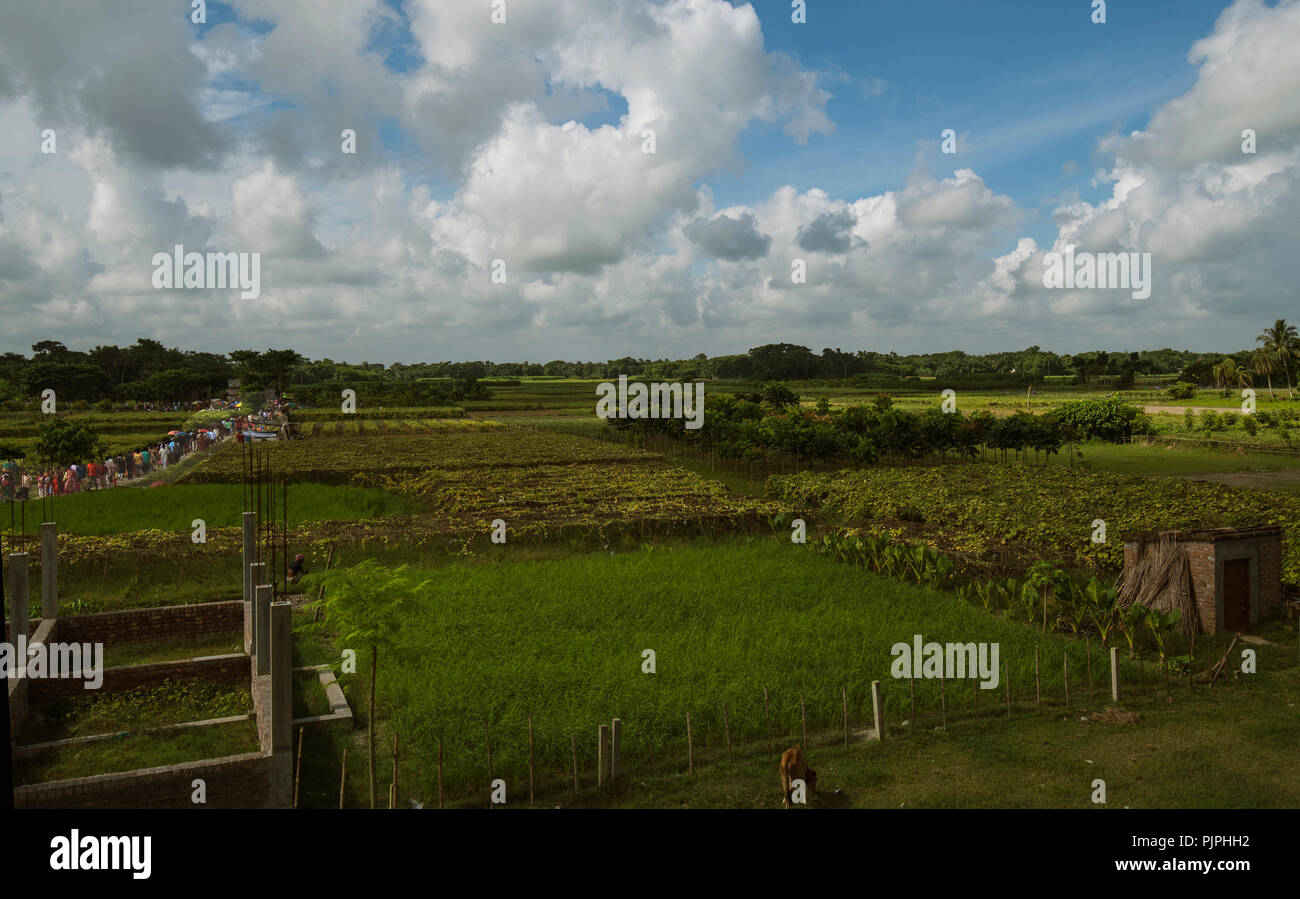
(1181,390)
(1104,419)
(1248,422)
(1229,420)
(1210,420)
(1189,419)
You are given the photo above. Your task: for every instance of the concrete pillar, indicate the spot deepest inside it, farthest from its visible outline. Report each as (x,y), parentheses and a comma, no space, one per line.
(262,627)
(19,599)
(1114,675)
(281,676)
(250,533)
(256,575)
(49,570)
(878,709)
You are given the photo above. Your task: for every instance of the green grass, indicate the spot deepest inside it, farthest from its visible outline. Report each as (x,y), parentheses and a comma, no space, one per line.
(171,702)
(137,751)
(174,507)
(151,651)
(564,640)
(1158,460)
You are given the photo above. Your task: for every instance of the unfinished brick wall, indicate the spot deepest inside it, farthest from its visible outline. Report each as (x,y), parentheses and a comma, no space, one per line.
(237,781)
(207,619)
(227,669)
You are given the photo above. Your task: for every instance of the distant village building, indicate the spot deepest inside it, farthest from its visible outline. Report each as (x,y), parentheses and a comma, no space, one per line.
(1224,579)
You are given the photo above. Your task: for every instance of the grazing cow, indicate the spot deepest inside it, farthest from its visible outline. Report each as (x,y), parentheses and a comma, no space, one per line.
(795,767)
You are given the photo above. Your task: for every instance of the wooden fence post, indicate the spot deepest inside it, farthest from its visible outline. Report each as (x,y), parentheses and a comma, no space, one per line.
(1006,676)
(767,718)
(531,804)
(615,749)
(1065,661)
(690,745)
(297,771)
(1087,647)
(602,738)
(440,772)
(650,729)
(1038,684)
(878,709)
(943,700)
(845,691)
(392,803)
(487,737)
(574,743)
(343,777)
(803,714)
(911,686)
(726,729)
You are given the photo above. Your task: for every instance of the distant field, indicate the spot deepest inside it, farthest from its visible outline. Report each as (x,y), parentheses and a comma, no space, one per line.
(123,510)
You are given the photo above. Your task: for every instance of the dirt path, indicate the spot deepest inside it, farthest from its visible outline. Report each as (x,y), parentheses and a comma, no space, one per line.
(1282,479)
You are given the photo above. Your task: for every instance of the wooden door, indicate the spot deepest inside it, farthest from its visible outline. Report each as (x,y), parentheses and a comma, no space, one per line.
(1236,595)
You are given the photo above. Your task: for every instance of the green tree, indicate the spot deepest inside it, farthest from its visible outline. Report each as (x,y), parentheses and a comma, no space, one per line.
(362,604)
(1282,343)
(64,442)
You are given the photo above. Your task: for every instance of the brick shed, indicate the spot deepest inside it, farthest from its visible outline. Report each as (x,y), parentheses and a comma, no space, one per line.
(1236,573)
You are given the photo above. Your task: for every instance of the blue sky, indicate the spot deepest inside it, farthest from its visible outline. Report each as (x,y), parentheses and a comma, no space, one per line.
(780,144)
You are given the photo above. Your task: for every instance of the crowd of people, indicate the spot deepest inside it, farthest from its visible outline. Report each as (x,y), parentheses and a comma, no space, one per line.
(21,483)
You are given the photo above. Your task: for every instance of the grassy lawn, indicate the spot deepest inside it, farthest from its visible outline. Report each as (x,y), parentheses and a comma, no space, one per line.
(137,751)
(1160,460)
(119,654)
(172,702)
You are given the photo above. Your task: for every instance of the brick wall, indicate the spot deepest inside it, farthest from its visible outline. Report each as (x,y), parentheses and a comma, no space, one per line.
(1270,576)
(207,619)
(227,669)
(238,781)
(1200,559)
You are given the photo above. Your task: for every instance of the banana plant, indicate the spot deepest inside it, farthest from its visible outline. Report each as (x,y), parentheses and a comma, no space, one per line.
(1130,620)
(1161,625)
(1101,608)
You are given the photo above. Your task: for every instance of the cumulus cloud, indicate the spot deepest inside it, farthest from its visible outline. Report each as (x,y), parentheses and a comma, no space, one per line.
(729,238)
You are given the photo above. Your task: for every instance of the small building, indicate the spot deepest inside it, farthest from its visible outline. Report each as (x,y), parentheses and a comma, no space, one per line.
(1232,577)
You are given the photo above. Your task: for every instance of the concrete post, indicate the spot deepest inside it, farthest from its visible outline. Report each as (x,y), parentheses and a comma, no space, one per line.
(262,625)
(878,709)
(615,748)
(49,570)
(256,577)
(281,676)
(250,534)
(19,599)
(1114,675)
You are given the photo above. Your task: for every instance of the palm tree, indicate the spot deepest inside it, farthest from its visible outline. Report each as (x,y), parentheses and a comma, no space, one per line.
(1229,374)
(1264,365)
(1282,343)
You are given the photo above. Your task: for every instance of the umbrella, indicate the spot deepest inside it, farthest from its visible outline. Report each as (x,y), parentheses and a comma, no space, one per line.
(158,484)
(172,433)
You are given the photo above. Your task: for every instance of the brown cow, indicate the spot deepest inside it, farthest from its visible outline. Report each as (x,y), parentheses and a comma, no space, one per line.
(795,767)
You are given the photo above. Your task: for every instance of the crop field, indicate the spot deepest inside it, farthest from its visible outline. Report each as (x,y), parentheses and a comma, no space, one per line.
(985,510)
(564,642)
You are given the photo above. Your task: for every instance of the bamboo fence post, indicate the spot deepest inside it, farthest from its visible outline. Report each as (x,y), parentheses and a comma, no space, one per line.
(343,777)
(878,709)
(297,771)
(803,714)
(975,698)
(573,742)
(690,746)
(615,749)
(393,803)
(1087,647)
(767,718)
(845,691)
(602,737)
(650,729)
(531,804)
(911,686)
(1006,676)
(1038,684)
(487,736)
(943,700)
(440,772)
(726,728)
